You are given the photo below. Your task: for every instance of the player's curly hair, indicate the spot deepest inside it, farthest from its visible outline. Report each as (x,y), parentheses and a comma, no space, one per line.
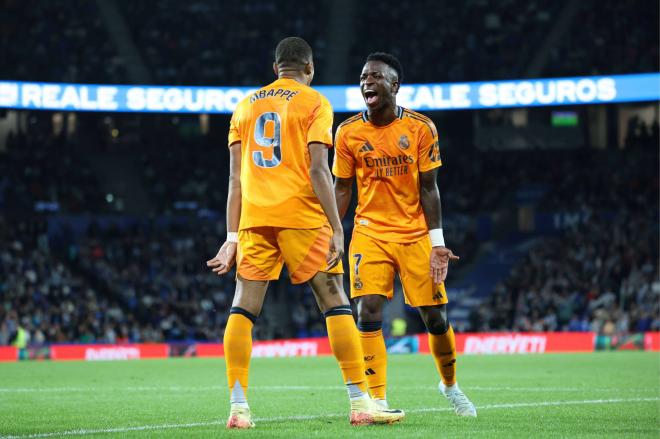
(390,60)
(294,51)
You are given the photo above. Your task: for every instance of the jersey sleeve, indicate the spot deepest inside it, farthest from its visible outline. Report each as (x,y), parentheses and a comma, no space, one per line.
(343,165)
(320,127)
(429,148)
(234,131)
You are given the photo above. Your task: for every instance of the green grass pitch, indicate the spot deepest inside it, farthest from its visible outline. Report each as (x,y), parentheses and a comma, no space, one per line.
(595,395)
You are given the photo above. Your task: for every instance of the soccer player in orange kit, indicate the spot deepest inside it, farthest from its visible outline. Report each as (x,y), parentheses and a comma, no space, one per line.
(394,155)
(281,209)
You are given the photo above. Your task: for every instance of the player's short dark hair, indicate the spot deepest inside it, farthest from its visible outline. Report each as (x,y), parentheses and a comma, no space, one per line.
(388,59)
(294,51)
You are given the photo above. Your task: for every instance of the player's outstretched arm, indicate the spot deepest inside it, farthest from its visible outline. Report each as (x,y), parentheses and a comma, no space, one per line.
(430,199)
(321,178)
(343,194)
(226,257)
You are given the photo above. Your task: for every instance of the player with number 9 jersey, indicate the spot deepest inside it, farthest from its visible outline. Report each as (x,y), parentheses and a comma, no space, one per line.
(282,220)
(274,125)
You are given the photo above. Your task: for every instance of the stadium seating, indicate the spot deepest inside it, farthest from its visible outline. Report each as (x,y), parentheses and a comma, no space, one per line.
(608,37)
(40,292)
(203,43)
(188,43)
(58,41)
(183,174)
(40,172)
(601,276)
(601,273)
(473,40)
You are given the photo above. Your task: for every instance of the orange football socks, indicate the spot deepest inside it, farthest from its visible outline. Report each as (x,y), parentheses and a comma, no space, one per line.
(375,358)
(345,343)
(443,349)
(238,349)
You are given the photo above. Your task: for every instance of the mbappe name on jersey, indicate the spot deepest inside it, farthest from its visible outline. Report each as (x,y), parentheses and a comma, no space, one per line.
(273,93)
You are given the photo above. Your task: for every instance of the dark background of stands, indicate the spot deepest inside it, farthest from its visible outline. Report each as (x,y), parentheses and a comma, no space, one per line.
(106,220)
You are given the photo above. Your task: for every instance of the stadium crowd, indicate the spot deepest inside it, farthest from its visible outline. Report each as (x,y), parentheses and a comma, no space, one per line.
(602,273)
(600,276)
(134,285)
(201,43)
(608,37)
(42,172)
(183,174)
(43,296)
(146,280)
(473,40)
(158,274)
(187,43)
(58,41)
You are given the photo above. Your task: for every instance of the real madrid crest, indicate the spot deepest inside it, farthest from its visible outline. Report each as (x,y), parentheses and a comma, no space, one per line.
(357,283)
(404,143)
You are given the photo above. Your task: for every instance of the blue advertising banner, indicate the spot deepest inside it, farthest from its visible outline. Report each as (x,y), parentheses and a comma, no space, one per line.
(447,96)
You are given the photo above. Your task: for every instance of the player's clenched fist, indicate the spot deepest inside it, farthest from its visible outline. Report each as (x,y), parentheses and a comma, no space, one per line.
(224,260)
(440,257)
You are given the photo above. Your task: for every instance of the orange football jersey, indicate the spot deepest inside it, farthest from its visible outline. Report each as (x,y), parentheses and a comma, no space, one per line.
(274,125)
(386,161)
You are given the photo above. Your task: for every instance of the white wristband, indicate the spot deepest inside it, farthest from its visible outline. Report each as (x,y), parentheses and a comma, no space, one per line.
(232,236)
(437,239)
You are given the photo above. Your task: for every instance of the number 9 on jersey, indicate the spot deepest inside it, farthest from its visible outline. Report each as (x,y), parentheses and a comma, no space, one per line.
(267,134)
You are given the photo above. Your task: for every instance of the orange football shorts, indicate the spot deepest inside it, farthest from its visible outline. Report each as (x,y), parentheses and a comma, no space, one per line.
(374,262)
(263,250)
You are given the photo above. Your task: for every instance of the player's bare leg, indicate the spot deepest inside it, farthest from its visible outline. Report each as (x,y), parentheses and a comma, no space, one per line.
(246,307)
(345,343)
(370,322)
(442,344)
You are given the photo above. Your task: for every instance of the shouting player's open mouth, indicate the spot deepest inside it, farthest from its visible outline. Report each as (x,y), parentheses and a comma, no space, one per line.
(370,97)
